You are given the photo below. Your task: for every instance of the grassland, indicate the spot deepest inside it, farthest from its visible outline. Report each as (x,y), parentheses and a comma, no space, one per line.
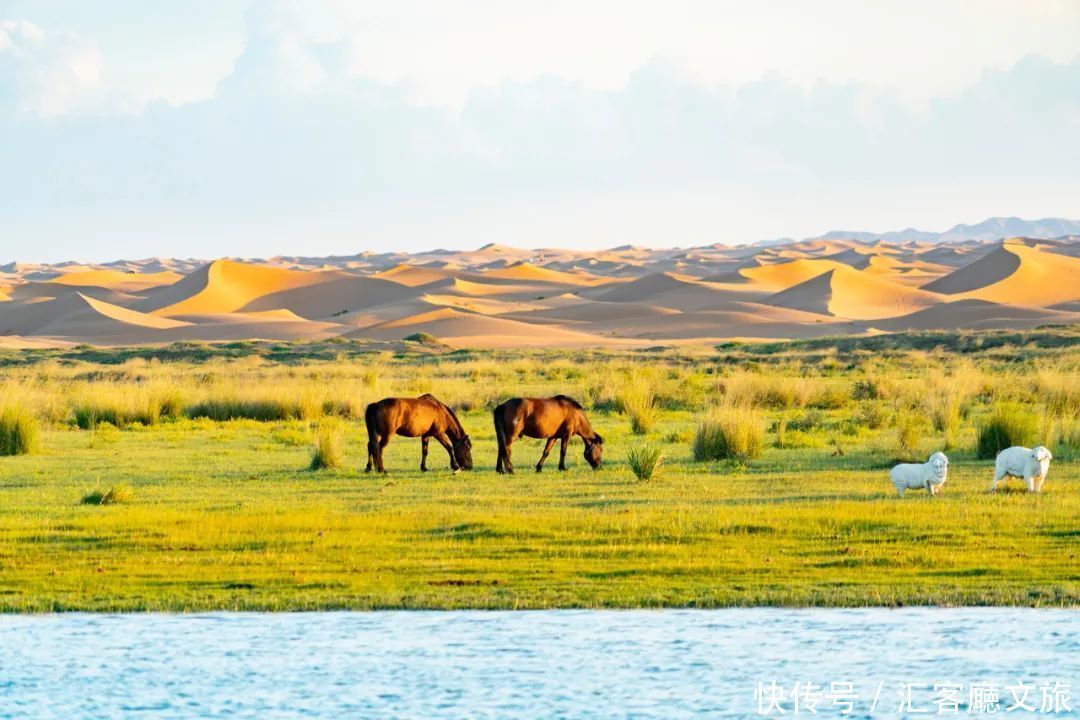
(225,513)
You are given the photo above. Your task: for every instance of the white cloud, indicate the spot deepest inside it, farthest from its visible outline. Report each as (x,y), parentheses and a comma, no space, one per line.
(300,145)
(47,75)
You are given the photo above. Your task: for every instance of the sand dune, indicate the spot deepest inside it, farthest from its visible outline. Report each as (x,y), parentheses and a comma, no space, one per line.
(413,276)
(527,272)
(79,316)
(781,276)
(847,293)
(226,286)
(475,330)
(1016,274)
(120,281)
(976,314)
(499,296)
(333,297)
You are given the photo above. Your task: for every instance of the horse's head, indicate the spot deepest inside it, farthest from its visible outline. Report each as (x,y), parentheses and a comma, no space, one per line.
(594,448)
(463,452)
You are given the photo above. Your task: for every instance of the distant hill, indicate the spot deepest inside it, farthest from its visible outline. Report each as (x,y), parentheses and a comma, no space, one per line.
(995,228)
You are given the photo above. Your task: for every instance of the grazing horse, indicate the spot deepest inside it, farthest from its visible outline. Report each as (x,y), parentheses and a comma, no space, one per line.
(551,419)
(424,417)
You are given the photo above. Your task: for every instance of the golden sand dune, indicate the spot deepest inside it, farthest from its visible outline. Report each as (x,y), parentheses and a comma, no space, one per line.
(597,311)
(678,292)
(527,272)
(977,314)
(412,275)
(336,296)
(120,281)
(781,276)
(485,305)
(500,296)
(475,330)
(79,316)
(51,290)
(848,293)
(226,286)
(1015,274)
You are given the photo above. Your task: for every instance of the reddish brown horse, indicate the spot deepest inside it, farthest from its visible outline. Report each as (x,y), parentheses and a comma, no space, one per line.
(551,419)
(424,417)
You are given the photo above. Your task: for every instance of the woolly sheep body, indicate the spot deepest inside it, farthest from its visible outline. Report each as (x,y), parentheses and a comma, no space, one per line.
(929,475)
(1030,464)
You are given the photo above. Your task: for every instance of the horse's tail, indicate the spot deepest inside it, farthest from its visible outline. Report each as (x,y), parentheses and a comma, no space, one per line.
(500,431)
(371,420)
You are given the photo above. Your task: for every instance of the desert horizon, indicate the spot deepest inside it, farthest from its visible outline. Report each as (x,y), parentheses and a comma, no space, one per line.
(498,296)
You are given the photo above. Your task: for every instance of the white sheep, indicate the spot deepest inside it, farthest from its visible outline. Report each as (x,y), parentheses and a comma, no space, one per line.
(930,475)
(1020,462)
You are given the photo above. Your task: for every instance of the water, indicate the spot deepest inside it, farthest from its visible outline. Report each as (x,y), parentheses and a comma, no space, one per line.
(587,664)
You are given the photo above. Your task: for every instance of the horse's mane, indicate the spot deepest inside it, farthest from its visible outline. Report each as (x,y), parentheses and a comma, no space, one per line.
(570,400)
(454,415)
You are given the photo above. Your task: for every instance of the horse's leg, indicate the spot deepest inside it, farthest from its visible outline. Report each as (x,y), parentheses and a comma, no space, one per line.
(445,442)
(562,452)
(383,442)
(543,456)
(370,453)
(507,465)
(423,453)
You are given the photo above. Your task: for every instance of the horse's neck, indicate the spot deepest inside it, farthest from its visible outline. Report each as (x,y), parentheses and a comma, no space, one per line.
(454,428)
(584,429)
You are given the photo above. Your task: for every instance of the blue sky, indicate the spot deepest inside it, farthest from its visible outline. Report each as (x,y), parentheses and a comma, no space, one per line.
(257,127)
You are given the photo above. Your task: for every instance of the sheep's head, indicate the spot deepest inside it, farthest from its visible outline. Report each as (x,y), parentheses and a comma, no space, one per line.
(1041,454)
(938,463)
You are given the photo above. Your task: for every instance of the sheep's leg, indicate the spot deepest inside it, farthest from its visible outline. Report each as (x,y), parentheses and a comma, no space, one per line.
(1030,481)
(1039,483)
(997,478)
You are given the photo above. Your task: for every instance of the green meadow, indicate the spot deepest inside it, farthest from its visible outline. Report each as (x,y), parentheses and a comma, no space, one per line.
(179,479)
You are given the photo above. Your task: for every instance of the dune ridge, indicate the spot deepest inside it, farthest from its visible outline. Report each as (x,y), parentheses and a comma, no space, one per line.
(499,296)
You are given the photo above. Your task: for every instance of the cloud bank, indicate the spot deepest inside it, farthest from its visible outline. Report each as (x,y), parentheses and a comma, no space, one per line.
(296,149)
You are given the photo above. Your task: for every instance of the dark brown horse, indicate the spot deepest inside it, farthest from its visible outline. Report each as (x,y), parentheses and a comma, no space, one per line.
(424,417)
(551,419)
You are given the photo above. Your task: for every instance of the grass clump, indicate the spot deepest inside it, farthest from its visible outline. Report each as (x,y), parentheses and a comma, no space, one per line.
(1008,425)
(638,402)
(327,453)
(19,431)
(909,430)
(113,496)
(731,433)
(644,461)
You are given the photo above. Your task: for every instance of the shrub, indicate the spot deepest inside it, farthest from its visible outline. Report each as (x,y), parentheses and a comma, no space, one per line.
(644,461)
(731,433)
(871,415)
(113,496)
(909,427)
(1009,425)
(327,452)
(639,404)
(423,338)
(19,431)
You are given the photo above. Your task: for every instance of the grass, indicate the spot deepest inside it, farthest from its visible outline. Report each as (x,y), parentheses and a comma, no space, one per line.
(220,515)
(112,496)
(644,461)
(19,431)
(327,453)
(729,433)
(638,402)
(1009,425)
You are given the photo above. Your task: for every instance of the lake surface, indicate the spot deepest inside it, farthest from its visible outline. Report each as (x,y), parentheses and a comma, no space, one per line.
(587,664)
